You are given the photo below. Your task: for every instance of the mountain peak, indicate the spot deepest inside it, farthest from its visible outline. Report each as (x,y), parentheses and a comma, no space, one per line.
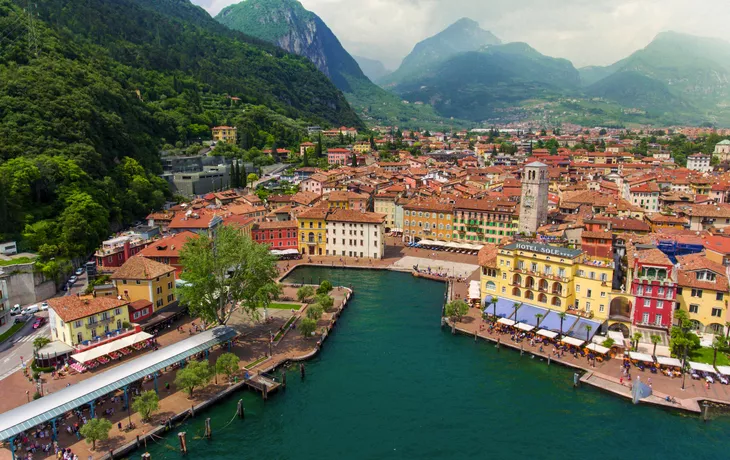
(465,23)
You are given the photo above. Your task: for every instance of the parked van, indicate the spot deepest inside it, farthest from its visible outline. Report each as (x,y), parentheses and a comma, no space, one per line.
(29,310)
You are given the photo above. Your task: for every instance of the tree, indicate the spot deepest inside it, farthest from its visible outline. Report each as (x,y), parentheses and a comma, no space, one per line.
(325,301)
(304,292)
(193,375)
(516,306)
(227,364)
(305,159)
(562,315)
(96,429)
(315,311)
(456,309)
(636,337)
(243,176)
(324,287)
(656,340)
(318,147)
(538,317)
(354,160)
(252,178)
(494,307)
(307,326)
(227,273)
(40,342)
(608,343)
(682,340)
(146,403)
(588,332)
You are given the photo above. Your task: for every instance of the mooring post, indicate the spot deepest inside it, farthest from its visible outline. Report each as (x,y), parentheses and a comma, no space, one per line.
(111,454)
(302,373)
(283,379)
(705,411)
(192,411)
(499,342)
(453,327)
(239,408)
(522,350)
(138,444)
(183,443)
(548,360)
(266,391)
(576,379)
(475,335)
(208,432)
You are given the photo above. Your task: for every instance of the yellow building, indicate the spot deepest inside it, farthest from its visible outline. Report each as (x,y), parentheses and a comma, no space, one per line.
(225,134)
(592,286)
(427,220)
(141,278)
(361,147)
(703,292)
(74,320)
(384,203)
(313,231)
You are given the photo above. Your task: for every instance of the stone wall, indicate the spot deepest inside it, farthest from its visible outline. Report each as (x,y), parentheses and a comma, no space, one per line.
(26,287)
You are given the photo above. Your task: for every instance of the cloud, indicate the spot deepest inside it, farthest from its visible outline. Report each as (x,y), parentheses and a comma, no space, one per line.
(588,32)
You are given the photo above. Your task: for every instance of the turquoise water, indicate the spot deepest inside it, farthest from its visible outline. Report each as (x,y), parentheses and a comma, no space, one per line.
(391,384)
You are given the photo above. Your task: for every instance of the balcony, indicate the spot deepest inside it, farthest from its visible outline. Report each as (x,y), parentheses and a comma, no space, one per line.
(99,323)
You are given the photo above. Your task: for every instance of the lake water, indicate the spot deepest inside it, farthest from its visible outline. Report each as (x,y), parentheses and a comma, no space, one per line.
(389,383)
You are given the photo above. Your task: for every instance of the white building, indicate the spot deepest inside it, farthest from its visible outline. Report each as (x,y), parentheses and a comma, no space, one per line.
(8,248)
(355,234)
(722,149)
(699,162)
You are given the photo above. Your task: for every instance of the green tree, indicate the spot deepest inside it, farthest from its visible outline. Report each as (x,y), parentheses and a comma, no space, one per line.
(305,159)
(682,340)
(243,176)
(562,315)
(40,342)
(226,273)
(588,332)
(315,311)
(304,293)
(145,404)
(307,326)
(354,161)
(227,364)
(324,287)
(456,309)
(318,147)
(193,375)
(325,301)
(636,338)
(96,429)
(656,340)
(516,306)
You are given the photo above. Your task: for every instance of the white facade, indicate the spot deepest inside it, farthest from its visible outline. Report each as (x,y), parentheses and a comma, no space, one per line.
(8,248)
(698,162)
(350,239)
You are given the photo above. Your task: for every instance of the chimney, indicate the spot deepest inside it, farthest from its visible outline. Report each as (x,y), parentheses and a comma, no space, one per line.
(127,251)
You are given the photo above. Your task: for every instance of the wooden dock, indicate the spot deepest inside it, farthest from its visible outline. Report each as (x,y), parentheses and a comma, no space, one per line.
(261,382)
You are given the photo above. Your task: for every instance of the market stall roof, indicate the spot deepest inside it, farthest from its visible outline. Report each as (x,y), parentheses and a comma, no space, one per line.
(667,361)
(506,321)
(62,401)
(641,356)
(288,252)
(598,348)
(572,341)
(548,334)
(116,345)
(524,327)
(724,370)
(474,290)
(701,367)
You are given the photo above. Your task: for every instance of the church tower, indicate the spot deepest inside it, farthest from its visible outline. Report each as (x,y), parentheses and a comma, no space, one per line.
(534,202)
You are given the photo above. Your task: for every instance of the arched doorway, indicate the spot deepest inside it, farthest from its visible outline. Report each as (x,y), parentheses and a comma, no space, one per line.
(620,327)
(620,306)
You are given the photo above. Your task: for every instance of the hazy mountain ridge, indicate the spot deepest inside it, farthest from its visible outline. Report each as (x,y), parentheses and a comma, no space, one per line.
(372,68)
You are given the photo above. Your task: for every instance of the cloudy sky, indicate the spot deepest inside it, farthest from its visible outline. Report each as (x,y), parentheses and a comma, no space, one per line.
(588,32)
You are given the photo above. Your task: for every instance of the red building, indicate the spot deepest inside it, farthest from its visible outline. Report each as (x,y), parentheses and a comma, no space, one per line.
(114,252)
(596,239)
(140,310)
(653,284)
(167,250)
(280,235)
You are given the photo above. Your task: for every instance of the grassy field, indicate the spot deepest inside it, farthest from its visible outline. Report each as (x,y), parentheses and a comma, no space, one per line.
(704,355)
(13,329)
(16,261)
(285,306)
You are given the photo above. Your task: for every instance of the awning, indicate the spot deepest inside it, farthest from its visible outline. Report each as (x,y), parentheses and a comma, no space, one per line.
(702,367)
(580,330)
(618,338)
(474,290)
(572,341)
(526,314)
(598,348)
(426,242)
(289,252)
(552,322)
(641,356)
(55,348)
(548,334)
(505,321)
(667,361)
(505,307)
(101,350)
(524,327)
(724,370)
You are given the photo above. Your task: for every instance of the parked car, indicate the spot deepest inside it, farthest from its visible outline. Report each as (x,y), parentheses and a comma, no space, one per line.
(79,271)
(29,310)
(72,280)
(38,322)
(16,310)
(44,306)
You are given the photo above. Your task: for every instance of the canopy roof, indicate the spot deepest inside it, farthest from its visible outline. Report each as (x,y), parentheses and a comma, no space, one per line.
(548,334)
(552,322)
(702,367)
(116,345)
(618,338)
(598,348)
(580,330)
(572,341)
(505,308)
(724,370)
(474,290)
(56,404)
(526,314)
(524,327)
(667,361)
(641,356)
(506,321)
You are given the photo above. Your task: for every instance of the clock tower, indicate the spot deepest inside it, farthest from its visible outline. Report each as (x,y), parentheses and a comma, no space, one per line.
(534,202)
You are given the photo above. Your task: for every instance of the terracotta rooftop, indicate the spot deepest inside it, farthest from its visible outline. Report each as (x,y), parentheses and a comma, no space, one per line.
(487,256)
(167,247)
(70,308)
(141,268)
(349,215)
(691,264)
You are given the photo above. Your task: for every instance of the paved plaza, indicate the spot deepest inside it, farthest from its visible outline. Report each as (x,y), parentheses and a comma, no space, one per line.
(441,267)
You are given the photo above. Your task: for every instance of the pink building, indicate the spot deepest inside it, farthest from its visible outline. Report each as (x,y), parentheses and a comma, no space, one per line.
(338,156)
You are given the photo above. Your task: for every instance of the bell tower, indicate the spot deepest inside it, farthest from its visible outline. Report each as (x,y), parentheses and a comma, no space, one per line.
(534,202)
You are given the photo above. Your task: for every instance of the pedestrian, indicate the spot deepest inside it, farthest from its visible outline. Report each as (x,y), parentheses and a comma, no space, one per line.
(119,425)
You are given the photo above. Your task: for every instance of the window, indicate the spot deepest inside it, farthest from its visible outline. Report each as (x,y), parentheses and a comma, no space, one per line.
(660,291)
(604,277)
(581,273)
(588,306)
(645,318)
(601,308)
(139,282)
(561,272)
(533,267)
(658,320)
(660,304)
(118,311)
(697,293)
(504,276)
(603,295)
(124,281)
(592,275)
(718,296)
(717,312)
(589,292)
(504,290)
(77,324)
(521,265)
(577,288)
(694,308)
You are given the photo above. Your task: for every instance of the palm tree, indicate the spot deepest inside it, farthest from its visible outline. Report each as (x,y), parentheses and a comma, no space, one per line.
(40,342)
(655,339)
(562,316)
(727,329)
(636,337)
(516,306)
(494,305)
(538,317)
(588,332)
(719,343)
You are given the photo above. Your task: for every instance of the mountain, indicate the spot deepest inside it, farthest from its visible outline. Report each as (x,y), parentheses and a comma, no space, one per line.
(477,85)
(90,97)
(689,70)
(287,24)
(372,68)
(460,37)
